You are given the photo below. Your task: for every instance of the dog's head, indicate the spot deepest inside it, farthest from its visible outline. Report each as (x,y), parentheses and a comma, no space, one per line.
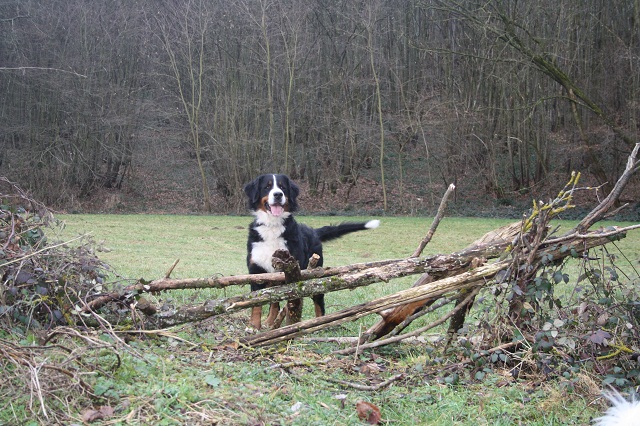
(273,194)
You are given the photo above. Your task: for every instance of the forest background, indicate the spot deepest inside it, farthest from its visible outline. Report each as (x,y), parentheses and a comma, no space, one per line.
(374,106)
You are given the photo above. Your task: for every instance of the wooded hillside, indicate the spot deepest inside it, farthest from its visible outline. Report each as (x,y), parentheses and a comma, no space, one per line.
(106,104)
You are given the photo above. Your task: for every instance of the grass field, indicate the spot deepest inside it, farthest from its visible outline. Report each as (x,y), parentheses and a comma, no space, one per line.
(185,376)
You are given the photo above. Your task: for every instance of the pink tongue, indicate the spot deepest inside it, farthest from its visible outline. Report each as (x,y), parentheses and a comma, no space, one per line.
(276,210)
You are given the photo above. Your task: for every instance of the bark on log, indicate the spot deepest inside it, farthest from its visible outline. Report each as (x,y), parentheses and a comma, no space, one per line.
(382,271)
(351,277)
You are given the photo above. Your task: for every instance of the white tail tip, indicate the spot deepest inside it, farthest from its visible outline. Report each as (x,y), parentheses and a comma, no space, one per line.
(372,224)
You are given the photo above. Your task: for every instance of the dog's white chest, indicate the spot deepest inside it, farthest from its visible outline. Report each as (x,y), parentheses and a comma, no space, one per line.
(262,251)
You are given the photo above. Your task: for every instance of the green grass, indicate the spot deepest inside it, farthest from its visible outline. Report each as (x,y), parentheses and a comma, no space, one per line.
(191,379)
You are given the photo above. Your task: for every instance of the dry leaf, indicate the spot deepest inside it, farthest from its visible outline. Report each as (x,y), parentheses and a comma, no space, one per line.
(370,369)
(368,412)
(91,415)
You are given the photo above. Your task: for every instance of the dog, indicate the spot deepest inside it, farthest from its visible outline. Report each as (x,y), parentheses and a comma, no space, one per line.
(621,412)
(272,199)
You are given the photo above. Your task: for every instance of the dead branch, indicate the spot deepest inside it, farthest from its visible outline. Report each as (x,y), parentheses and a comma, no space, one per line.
(170,270)
(358,386)
(526,237)
(305,363)
(352,277)
(599,213)
(436,221)
(415,294)
(462,304)
(356,278)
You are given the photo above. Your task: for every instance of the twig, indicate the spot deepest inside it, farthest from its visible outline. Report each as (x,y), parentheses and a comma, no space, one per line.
(20,259)
(436,221)
(576,236)
(35,385)
(41,69)
(597,214)
(298,363)
(358,386)
(168,274)
(619,348)
(161,333)
(503,346)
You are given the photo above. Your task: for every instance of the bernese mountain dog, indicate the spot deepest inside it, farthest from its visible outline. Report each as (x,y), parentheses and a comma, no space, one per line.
(272,199)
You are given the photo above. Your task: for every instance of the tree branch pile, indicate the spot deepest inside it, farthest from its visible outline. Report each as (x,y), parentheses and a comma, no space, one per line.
(41,282)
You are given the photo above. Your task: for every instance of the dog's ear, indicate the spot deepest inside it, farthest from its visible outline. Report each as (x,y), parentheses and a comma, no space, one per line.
(251,189)
(294,191)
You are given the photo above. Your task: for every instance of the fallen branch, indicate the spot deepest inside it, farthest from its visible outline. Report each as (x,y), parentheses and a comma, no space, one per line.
(436,221)
(600,212)
(390,269)
(305,363)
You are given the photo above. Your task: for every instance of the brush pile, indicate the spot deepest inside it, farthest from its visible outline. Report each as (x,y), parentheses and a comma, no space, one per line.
(41,283)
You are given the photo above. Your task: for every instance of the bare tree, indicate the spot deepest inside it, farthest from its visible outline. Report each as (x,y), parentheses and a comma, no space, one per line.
(186,25)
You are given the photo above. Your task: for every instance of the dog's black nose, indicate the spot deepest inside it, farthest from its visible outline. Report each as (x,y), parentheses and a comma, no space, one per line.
(277,196)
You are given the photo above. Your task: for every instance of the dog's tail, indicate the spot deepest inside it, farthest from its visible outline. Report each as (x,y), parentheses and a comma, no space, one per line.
(331,232)
(621,412)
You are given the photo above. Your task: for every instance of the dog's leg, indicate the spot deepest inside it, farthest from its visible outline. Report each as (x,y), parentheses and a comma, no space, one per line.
(318,303)
(274,309)
(256,316)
